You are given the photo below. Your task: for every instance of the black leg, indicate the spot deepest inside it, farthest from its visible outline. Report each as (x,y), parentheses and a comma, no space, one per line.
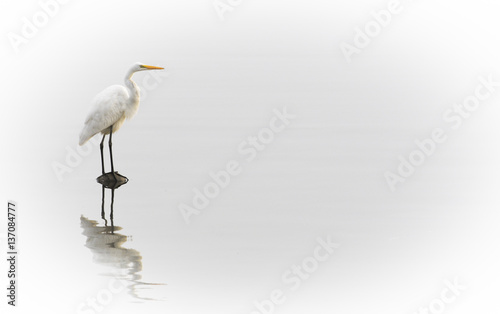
(102,156)
(102,203)
(103,215)
(111,152)
(111,215)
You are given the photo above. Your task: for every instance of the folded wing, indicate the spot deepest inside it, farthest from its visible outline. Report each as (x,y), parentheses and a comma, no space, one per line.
(108,109)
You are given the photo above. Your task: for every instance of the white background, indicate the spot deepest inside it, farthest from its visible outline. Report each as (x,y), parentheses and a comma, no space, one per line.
(322,176)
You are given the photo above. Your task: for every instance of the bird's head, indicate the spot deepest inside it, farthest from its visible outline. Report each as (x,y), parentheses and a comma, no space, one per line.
(142,67)
(136,67)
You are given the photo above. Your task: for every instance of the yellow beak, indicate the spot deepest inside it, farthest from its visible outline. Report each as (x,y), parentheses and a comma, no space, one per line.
(151,67)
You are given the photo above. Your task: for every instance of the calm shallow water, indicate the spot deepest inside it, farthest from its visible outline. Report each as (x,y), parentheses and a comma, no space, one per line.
(311,182)
(322,176)
(308,183)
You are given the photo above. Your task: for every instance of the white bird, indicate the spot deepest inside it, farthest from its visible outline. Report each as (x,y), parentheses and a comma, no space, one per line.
(111,107)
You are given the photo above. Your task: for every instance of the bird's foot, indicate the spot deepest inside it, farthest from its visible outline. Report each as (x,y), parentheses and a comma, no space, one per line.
(112,180)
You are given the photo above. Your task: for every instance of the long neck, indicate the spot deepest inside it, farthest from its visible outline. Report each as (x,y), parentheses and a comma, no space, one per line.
(134,95)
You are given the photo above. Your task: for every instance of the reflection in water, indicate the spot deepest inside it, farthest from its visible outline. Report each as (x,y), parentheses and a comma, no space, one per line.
(106,247)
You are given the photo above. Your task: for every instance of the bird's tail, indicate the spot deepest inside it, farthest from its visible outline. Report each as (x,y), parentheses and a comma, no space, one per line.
(84,137)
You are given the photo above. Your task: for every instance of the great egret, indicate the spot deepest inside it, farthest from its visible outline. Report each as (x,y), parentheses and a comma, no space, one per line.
(110,109)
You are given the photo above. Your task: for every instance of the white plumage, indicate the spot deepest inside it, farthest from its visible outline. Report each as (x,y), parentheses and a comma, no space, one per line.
(113,105)
(109,109)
